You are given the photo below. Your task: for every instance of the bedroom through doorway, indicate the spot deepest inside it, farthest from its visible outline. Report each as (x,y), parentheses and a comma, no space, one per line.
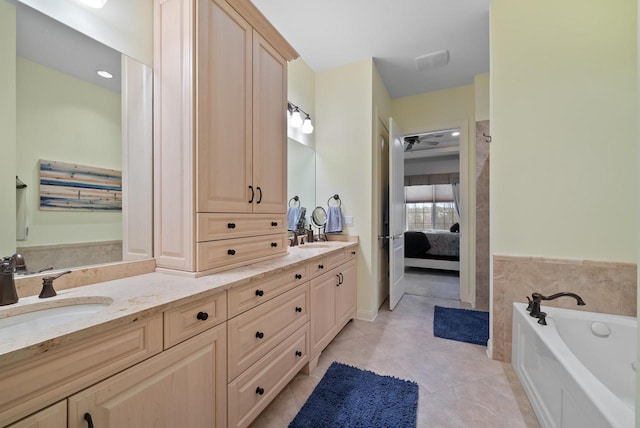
(432,209)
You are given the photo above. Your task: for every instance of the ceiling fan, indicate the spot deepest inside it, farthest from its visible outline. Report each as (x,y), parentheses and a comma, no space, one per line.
(416,139)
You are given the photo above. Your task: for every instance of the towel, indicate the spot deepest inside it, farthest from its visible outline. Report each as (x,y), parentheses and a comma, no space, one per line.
(334,220)
(293,217)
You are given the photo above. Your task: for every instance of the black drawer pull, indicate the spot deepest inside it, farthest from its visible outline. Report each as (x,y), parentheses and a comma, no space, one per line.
(298,276)
(231,252)
(320,266)
(339,282)
(298,354)
(341,278)
(202,316)
(274,223)
(274,244)
(259,334)
(259,293)
(87,417)
(252,194)
(259,391)
(231,225)
(260,197)
(298,309)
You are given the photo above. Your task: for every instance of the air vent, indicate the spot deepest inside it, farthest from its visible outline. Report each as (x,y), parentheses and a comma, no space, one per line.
(432,60)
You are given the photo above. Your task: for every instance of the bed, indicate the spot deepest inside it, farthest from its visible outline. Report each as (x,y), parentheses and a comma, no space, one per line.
(432,249)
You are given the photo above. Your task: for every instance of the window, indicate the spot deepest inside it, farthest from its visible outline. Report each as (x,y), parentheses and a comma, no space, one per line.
(430,207)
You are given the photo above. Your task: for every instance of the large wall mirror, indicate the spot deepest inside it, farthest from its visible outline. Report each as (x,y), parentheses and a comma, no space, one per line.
(301,177)
(67,113)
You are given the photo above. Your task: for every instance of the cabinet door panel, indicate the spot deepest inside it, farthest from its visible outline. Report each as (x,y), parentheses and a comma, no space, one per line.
(184,386)
(52,417)
(269,128)
(346,295)
(224,106)
(323,310)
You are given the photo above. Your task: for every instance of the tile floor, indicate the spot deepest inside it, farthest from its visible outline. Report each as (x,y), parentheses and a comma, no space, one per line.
(459,385)
(444,284)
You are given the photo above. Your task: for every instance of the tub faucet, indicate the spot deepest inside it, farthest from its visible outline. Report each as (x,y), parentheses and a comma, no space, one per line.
(536,298)
(8,294)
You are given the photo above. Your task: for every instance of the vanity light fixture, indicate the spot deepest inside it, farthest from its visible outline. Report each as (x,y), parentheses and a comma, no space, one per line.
(96,4)
(307,127)
(455,134)
(295,118)
(105,74)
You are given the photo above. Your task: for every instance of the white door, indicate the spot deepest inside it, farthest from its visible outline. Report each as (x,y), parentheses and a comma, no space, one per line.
(397,217)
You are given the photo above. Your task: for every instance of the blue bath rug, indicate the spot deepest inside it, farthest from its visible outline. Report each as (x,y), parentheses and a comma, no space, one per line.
(350,397)
(463,325)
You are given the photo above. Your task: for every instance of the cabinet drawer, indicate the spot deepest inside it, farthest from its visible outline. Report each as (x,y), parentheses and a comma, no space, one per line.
(236,252)
(254,333)
(351,253)
(225,226)
(192,318)
(52,417)
(335,258)
(252,391)
(250,295)
(41,380)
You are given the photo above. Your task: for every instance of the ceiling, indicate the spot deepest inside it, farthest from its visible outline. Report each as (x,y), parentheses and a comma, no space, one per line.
(432,144)
(47,42)
(331,33)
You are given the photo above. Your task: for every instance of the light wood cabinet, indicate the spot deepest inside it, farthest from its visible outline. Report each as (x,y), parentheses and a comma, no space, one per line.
(220,137)
(191,318)
(183,386)
(54,416)
(333,304)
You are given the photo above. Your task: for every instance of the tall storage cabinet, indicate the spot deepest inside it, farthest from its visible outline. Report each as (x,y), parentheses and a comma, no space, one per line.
(220,135)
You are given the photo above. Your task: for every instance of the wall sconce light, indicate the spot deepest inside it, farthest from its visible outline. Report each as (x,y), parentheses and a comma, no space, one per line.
(295,118)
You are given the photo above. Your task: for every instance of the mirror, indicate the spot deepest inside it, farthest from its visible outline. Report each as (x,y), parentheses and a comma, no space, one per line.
(67,113)
(301,176)
(319,217)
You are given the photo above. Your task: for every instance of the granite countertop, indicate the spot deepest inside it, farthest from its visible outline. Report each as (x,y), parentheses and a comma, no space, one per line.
(138,297)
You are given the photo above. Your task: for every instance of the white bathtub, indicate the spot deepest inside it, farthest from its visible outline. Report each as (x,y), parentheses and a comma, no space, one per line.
(579,370)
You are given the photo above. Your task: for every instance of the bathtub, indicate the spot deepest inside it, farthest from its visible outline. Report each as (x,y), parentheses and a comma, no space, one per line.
(579,370)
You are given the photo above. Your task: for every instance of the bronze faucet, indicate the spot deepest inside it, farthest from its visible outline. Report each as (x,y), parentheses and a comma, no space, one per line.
(8,293)
(47,285)
(536,298)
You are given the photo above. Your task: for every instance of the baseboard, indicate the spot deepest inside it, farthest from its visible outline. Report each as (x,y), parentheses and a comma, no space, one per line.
(366,315)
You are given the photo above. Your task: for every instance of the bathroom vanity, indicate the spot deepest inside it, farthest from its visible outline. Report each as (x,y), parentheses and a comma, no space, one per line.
(173,351)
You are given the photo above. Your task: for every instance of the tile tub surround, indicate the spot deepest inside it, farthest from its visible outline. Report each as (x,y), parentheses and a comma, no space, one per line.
(482,216)
(606,287)
(141,296)
(71,255)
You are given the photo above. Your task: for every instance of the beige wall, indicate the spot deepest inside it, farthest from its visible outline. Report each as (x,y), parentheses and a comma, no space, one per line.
(563,111)
(61,118)
(7,124)
(481,96)
(126,26)
(450,108)
(344,157)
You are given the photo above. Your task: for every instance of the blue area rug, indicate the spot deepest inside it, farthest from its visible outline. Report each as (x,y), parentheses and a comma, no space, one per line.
(463,325)
(350,397)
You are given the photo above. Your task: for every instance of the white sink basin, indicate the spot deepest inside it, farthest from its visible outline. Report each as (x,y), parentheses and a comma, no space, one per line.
(45,315)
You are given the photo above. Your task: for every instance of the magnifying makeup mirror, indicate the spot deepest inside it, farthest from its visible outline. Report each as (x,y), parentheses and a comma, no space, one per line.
(318,220)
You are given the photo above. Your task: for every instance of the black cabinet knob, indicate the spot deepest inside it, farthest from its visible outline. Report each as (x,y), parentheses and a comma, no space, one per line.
(259,293)
(87,417)
(298,309)
(353,252)
(298,354)
(231,225)
(274,223)
(231,252)
(259,391)
(259,334)
(320,266)
(202,316)
(298,276)
(274,244)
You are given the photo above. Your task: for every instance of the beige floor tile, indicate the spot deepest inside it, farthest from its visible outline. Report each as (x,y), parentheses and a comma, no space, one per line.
(459,386)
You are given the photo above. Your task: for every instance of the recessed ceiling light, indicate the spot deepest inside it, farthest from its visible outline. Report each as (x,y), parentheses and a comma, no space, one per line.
(455,134)
(105,74)
(97,4)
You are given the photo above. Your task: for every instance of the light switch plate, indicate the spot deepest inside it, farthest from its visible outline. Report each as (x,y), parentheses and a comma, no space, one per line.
(348,220)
